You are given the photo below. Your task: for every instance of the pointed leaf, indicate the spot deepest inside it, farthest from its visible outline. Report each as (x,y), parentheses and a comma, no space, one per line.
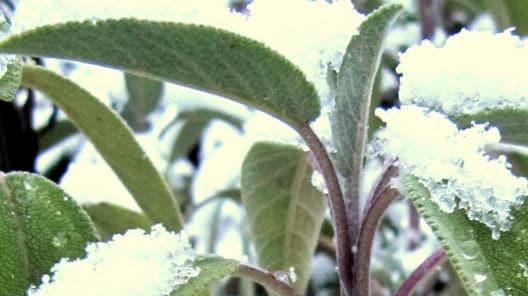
(60,131)
(188,136)
(284,210)
(212,269)
(512,123)
(354,88)
(484,265)
(114,140)
(39,224)
(10,80)
(143,97)
(201,57)
(110,219)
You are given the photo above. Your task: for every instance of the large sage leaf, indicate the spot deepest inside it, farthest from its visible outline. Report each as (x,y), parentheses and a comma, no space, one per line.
(201,57)
(212,269)
(284,210)
(39,224)
(143,97)
(355,80)
(486,266)
(114,140)
(512,123)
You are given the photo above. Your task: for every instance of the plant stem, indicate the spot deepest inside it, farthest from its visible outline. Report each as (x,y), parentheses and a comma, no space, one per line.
(428,12)
(265,278)
(420,272)
(380,198)
(344,258)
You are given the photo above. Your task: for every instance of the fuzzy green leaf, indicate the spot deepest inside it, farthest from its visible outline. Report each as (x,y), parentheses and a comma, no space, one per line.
(355,80)
(143,97)
(201,57)
(111,219)
(483,264)
(512,123)
(212,269)
(284,210)
(114,141)
(39,224)
(517,11)
(10,80)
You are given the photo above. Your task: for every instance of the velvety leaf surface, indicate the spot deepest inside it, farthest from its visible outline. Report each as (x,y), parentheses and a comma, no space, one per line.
(39,224)
(484,265)
(111,219)
(114,140)
(512,123)
(201,57)
(212,269)
(11,79)
(143,97)
(284,210)
(355,80)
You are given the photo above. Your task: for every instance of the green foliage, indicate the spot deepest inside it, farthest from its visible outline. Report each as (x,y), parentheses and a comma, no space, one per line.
(122,152)
(11,79)
(484,265)
(201,57)
(284,210)
(39,224)
(353,88)
(143,97)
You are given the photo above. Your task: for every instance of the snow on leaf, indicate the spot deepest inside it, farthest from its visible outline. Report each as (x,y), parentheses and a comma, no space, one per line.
(452,164)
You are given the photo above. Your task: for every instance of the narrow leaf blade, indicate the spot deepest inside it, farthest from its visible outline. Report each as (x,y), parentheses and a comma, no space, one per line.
(143,97)
(284,210)
(201,57)
(483,264)
(354,88)
(114,140)
(39,224)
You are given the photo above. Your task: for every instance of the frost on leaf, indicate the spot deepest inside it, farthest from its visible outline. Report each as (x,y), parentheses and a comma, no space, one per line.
(135,263)
(452,164)
(471,72)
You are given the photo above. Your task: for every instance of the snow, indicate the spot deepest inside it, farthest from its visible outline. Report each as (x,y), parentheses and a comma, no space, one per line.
(472,71)
(135,263)
(452,163)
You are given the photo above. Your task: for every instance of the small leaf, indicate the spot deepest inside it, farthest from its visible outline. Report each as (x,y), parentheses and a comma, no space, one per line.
(39,224)
(284,210)
(354,88)
(201,57)
(143,97)
(110,219)
(512,123)
(206,114)
(212,269)
(114,140)
(60,131)
(483,264)
(11,79)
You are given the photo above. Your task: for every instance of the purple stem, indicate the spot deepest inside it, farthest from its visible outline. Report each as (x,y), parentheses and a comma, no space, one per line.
(421,272)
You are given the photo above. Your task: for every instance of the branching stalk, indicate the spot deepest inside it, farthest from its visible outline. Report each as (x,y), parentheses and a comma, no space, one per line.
(421,272)
(265,278)
(380,198)
(344,258)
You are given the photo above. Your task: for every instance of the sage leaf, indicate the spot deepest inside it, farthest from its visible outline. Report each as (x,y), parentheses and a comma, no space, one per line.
(143,97)
(39,225)
(196,56)
(517,11)
(114,141)
(212,269)
(483,264)
(10,78)
(284,210)
(355,81)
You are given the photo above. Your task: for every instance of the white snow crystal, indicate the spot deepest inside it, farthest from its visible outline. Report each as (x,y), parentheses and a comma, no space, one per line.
(452,163)
(131,264)
(471,72)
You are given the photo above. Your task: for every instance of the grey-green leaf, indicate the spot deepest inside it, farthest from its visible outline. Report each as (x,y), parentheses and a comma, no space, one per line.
(39,224)
(483,264)
(111,219)
(355,80)
(284,210)
(143,97)
(114,140)
(10,80)
(512,123)
(201,57)
(212,269)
